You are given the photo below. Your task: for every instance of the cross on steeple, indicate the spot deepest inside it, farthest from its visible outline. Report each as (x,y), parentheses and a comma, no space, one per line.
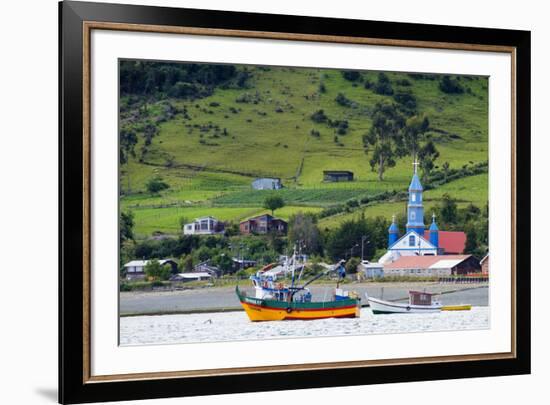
(415,165)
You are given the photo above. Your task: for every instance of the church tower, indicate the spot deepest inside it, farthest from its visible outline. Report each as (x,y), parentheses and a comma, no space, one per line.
(393,232)
(434,233)
(415,209)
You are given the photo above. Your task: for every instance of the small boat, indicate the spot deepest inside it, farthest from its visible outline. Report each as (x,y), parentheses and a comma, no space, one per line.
(275,301)
(461,307)
(419,303)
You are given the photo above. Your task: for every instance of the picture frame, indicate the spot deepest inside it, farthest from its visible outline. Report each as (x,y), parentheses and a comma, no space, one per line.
(77,383)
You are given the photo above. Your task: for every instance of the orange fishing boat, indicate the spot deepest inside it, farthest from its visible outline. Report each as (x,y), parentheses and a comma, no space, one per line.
(275,301)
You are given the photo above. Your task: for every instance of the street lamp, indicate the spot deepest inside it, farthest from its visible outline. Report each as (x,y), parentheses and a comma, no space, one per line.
(363,239)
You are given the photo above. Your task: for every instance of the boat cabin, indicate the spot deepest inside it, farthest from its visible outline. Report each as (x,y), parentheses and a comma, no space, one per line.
(420,298)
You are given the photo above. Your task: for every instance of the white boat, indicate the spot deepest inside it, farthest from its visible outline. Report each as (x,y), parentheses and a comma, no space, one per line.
(419,303)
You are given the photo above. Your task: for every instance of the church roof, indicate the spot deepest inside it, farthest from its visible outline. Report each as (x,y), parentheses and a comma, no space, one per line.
(415,184)
(433,226)
(428,244)
(393,227)
(452,242)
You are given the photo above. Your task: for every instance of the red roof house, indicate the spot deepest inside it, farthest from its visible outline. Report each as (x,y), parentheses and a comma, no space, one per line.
(433,265)
(452,243)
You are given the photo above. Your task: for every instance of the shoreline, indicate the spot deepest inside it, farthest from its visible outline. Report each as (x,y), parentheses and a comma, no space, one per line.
(223,299)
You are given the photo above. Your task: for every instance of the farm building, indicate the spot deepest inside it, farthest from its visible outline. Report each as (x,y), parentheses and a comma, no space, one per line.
(203,226)
(337,175)
(263,224)
(426,266)
(267,183)
(136,268)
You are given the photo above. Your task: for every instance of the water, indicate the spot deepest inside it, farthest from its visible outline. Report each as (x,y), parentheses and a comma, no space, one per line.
(226,326)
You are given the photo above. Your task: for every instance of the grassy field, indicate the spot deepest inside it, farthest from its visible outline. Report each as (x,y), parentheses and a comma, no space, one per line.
(210,157)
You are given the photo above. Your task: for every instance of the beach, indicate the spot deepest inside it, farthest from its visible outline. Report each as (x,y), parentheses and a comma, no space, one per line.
(225,326)
(218,299)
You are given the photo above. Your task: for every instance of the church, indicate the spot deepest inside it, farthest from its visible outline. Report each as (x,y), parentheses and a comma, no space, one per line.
(417,240)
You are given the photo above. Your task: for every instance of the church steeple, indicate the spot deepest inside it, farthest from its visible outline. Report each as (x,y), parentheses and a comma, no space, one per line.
(415,209)
(393,232)
(434,232)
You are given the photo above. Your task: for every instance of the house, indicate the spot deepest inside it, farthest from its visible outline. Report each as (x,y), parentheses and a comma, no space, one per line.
(426,266)
(204,226)
(206,267)
(267,183)
(371,270)
(263,224)
(242,263)
(337,175)
(193,276)
(135,269)
(485,265)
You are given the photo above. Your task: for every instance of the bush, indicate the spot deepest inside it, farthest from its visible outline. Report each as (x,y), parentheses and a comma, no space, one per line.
(351,75)
(342,100)
(319,116)
(450,86)
(383,85)
(156,184)
(156,271)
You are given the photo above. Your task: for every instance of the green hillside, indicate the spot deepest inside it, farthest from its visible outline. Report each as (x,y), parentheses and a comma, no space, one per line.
(209,148)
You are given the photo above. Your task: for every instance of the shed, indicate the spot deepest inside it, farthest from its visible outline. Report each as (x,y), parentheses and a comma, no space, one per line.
(267,183)
(337,175)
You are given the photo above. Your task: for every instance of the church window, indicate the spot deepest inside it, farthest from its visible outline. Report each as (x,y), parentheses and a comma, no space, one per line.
(413,197)
(411,240)
(413,215)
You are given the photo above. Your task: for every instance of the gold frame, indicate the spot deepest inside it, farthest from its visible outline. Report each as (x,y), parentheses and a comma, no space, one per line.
(88,26)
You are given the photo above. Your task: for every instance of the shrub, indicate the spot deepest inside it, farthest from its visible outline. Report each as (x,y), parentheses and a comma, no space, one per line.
(450,86)
(319,116)
(383,85)
(156,184)
(342,100)
(351,75)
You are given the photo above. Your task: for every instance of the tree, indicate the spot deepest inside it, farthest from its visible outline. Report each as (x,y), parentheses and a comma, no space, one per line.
(383,85)
(351,265)
(446,168)
(302,228)
(126,224)
(186,263)
(450,86)
(384,137)
(427,155)
(128,141)
(273,202)
(156,271)
(156,184)
(413,134)
(224,262)
(345,241)
(448,210)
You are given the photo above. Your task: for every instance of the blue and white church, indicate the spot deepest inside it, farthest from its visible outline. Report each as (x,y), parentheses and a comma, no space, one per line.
(417,241)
